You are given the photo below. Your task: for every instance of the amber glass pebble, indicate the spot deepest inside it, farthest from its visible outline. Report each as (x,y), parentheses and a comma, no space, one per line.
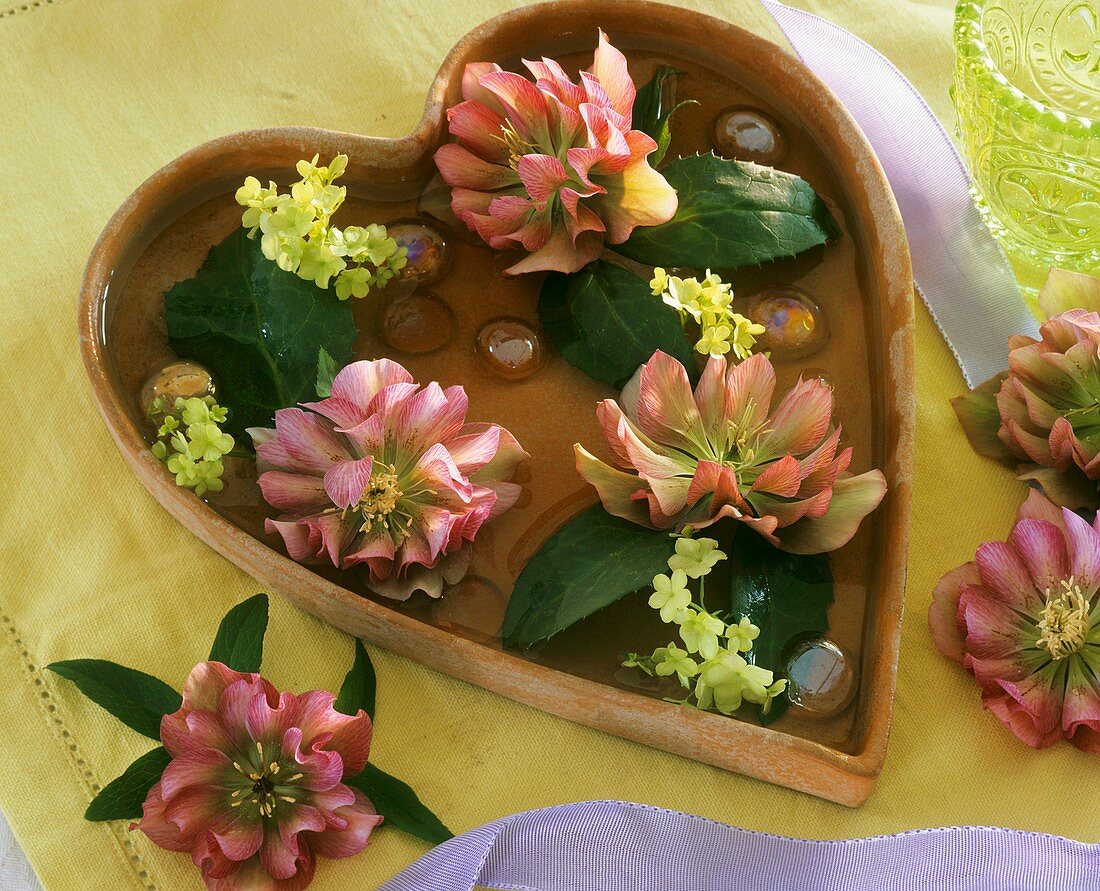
(510,347)
(177,379)
(418,323)
(794,324)
(821,678)
(749,135)
(428,256)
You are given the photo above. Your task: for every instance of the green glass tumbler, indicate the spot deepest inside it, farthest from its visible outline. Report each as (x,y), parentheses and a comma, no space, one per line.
(1027,93)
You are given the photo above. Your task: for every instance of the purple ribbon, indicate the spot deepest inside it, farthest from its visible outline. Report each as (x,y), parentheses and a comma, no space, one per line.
(959,267)
(616,846)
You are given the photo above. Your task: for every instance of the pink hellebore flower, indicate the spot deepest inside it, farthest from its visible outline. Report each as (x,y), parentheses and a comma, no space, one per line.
(723,452)
(552,166)
(253,790)
(1024,618)
(388,476)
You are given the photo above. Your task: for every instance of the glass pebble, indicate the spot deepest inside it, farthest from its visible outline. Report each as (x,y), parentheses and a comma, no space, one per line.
(418,323)
(820,374)
(749,135)
(794,324)
(428,257)
(176,380)
(821,677)
(510,347)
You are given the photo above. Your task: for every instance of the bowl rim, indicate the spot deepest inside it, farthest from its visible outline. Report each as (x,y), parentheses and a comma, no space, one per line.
(972,54)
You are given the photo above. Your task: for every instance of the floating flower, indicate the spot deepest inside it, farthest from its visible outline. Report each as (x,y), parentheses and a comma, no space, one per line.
(552,166)
(191,428)
(707,304)
(696,557)
(723,452)
(254,789)
(1046,416)
(1024,618)
(699,631)
(386,475)
(298,234)
(672,660)
(670,595)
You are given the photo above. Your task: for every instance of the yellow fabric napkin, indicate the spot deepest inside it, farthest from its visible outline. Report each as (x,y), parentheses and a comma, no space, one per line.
(98,95)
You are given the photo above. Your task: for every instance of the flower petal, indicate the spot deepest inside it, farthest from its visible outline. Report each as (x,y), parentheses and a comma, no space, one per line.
(617,490)
(345,482)
(610,69)
(295,493)
(853,498)
(360,820)
(947,633)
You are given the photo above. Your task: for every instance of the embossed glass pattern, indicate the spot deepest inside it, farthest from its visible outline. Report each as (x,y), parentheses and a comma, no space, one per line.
(1027,93)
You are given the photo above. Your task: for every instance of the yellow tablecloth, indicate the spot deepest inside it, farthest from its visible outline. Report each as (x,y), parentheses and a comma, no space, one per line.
(97,94)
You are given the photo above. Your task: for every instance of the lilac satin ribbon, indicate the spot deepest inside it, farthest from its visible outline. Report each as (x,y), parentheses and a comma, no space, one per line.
(960,270)
(616,846)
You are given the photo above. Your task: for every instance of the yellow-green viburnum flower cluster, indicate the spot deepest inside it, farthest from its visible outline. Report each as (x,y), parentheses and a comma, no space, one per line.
(709,665)
(707,303)
(297,232)
(191,428)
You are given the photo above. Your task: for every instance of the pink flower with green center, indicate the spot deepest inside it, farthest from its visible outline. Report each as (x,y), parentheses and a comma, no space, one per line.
(723,451)
(1043,415)
(254,789)
(553,166)
(1024,618)
(386,476)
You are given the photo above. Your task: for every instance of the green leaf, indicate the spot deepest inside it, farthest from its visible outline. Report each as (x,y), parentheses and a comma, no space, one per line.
(357,691)
(649,104)
(395,801)
(258,329)
(592,561)
(327,369)
(784,595)
(137,699)
(733,214)
(664,133)
(605,321)
(650,113)
(980,419)
(239,642)
(121,799)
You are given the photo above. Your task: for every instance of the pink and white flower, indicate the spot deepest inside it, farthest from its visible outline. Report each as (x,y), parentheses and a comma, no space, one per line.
(254,789)
(552,166)
(1024,618)
(387,476)
(722,451)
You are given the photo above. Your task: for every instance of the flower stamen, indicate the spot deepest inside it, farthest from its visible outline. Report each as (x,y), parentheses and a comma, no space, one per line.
(379,499)
(1064,622)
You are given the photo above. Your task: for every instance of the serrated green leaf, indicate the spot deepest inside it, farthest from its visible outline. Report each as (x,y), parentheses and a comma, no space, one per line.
(358,690)
(733,214)
(784,595)
(605,321)
(327,369)
(589,563)
(980,419)
(399,804)
(258,329)
(137,699)
(239,642)
(121,799)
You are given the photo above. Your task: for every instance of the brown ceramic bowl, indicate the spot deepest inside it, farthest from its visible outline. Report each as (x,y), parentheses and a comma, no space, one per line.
(862,282)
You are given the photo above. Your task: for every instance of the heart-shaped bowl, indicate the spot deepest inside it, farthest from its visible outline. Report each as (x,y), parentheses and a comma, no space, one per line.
(862,282)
